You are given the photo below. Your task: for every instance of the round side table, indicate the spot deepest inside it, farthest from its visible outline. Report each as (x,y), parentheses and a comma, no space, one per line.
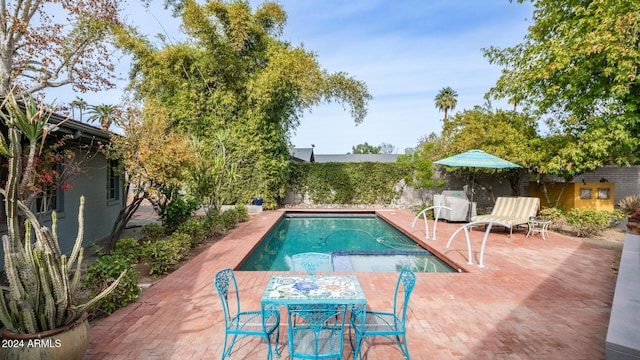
(538,226)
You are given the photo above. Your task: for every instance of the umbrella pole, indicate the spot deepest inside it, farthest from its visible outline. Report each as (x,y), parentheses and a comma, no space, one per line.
(473,184)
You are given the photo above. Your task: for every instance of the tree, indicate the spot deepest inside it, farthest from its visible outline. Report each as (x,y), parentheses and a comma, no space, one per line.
(79,103)
(578,66)
(446,100)
(235,74)
(214,171)
(419,162)
(511,136)
(386,148)
(38,51)
(106,114)
(366,149)
(383,148)
(153,157)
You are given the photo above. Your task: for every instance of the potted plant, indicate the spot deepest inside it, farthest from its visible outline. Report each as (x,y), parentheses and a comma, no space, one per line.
(631,205)
(40,314)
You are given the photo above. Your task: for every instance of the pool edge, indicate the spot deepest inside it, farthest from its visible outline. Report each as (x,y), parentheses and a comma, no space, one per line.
(461,268)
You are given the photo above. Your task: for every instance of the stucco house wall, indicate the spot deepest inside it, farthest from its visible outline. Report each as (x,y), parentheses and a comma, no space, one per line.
(99,212)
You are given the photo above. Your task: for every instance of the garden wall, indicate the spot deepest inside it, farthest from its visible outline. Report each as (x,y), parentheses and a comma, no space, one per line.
(626,180)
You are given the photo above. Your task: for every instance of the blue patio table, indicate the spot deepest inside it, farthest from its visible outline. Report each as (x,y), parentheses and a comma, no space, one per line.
(307,290)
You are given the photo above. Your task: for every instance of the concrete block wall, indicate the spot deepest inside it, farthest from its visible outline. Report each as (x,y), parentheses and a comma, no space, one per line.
(626,179)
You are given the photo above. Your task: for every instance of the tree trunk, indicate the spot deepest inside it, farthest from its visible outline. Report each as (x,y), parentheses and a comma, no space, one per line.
(6,64)
(124,216)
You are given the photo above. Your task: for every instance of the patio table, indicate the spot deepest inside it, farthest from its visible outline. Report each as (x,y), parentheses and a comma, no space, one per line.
(538,226)
(308,290)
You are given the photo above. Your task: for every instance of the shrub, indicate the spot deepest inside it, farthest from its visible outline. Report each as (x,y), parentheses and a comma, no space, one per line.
(227,219)
(618,215)
(129,248)
(195,228)
(103,272)
(213,224)
(588,222)
(242,214)
(235,215)
(152,232)
(552,214)
(217,223)
(178,211)
(162,256)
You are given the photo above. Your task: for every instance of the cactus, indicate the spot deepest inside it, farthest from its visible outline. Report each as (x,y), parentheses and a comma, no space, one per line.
(42,282)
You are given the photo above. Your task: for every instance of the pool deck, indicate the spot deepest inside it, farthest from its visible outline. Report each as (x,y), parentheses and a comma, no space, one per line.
(534,299)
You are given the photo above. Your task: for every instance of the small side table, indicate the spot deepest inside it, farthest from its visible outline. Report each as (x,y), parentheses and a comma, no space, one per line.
(538,226)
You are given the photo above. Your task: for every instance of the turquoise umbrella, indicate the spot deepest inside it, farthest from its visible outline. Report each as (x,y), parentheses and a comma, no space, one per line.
(477,159)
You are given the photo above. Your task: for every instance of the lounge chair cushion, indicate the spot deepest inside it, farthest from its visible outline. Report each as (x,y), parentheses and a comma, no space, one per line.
(512,210)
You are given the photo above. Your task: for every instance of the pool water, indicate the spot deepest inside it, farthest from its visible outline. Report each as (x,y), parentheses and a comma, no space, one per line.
(361,243)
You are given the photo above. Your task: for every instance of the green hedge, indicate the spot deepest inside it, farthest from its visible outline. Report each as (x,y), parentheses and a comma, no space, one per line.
(349,183)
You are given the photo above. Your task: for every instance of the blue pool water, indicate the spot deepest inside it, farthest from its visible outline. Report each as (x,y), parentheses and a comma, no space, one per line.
(362,243)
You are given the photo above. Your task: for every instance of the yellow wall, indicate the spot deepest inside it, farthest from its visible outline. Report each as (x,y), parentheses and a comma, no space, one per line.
(571,195)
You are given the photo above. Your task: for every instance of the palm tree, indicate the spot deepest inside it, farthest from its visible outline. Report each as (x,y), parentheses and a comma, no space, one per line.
(80,104)
(104,113)
(446,100)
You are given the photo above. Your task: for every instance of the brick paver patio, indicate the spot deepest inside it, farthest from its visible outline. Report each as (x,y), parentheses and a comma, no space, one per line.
(535,299)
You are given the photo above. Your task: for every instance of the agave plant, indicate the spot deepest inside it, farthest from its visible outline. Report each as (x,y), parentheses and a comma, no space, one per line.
(42,282)
(630,203)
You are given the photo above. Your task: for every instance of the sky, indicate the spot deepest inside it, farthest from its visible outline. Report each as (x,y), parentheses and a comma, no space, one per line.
(406,51)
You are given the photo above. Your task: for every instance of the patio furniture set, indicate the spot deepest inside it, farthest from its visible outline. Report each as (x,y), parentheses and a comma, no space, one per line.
(508,212)
(319,308)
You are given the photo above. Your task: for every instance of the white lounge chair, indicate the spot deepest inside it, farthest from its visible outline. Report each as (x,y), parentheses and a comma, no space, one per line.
(512,211)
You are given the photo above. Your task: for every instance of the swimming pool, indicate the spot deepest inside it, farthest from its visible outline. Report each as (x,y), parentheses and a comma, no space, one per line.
(357,242)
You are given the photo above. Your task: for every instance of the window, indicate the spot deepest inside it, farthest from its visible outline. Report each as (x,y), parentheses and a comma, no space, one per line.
(50,197)
(113,181)
(586,193)
(48,200)
(604,193)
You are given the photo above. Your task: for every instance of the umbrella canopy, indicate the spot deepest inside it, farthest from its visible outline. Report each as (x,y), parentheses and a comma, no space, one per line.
(477,158)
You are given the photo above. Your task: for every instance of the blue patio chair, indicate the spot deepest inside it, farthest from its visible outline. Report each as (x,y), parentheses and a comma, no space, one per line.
(240,324)
(391,325)
(311,262)
(316,331)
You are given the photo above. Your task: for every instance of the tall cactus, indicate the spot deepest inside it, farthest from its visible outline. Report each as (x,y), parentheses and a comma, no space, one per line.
(42,281)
